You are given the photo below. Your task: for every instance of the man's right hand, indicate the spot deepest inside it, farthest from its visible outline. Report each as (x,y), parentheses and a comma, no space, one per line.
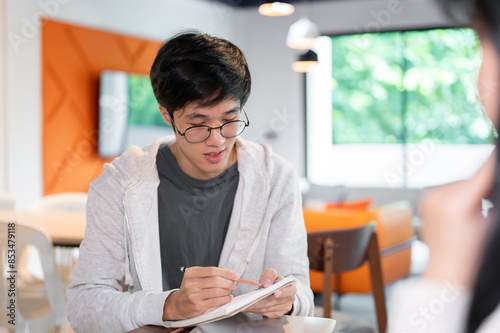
(202,289)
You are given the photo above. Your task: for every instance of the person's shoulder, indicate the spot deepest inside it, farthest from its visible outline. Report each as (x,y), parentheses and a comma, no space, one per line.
(133,165)
(262,157)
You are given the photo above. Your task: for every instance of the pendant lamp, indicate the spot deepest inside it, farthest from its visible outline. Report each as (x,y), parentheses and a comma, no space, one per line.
(302,34)
(306,61)
(276,8)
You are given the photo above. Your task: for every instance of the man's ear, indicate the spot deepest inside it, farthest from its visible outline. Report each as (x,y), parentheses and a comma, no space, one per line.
(165,115)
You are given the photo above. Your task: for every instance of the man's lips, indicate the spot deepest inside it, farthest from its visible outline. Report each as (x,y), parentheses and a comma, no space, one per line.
(215,156)
(215,152)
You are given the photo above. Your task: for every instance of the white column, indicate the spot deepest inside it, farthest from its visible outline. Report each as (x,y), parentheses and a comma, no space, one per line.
(3,96)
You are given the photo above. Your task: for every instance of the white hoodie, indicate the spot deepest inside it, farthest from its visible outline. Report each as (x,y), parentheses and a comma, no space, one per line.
(117,281)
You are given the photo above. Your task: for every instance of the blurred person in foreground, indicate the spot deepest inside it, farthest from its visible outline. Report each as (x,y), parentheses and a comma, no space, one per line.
(460,290)
(203,199)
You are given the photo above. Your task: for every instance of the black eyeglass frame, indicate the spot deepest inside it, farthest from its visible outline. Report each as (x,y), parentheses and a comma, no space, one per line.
(209,129)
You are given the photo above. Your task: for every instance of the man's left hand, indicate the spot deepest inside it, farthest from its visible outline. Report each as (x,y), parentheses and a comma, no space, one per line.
(277,304)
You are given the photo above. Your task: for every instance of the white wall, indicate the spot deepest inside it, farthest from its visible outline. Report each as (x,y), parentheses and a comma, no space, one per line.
(277,99)
(3,114)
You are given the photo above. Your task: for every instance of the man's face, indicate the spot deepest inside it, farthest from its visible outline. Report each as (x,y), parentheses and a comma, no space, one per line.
(207,159)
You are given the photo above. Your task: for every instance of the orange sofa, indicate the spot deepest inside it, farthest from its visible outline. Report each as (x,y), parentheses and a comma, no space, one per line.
(395,234)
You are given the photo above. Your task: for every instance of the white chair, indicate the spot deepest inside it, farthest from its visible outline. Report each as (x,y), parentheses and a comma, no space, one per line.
(7,201)
(61,202)
(35,311)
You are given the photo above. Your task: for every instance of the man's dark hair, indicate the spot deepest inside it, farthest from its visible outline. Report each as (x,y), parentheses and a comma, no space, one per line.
(195,67)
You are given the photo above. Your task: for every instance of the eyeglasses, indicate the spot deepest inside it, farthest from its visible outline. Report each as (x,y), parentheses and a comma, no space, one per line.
(197,134)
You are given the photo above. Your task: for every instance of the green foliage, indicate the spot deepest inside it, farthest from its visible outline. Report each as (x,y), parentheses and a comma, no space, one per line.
(404,87)
(143,107)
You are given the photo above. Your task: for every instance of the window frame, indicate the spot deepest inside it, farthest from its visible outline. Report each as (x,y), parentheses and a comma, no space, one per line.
(410,152)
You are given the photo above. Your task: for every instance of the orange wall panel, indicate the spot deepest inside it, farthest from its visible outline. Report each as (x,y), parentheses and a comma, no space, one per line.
(72,59)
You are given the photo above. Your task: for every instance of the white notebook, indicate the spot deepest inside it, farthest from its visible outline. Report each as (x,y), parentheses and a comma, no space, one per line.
(238,304)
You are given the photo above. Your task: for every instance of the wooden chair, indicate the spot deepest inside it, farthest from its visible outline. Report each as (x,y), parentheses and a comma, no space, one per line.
(338,251)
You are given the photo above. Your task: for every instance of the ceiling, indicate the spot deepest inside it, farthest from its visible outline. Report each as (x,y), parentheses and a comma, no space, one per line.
(256,3)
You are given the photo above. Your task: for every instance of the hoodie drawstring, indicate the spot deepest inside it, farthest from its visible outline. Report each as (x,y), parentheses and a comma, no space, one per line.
(126,265)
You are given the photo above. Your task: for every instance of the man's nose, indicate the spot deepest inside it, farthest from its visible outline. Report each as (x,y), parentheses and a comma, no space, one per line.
(215,139)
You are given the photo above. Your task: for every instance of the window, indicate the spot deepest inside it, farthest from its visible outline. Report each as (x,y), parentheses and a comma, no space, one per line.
(396,109)
(145,123)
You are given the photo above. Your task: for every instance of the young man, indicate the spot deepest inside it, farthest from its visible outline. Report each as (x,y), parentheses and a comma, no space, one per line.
(221,206)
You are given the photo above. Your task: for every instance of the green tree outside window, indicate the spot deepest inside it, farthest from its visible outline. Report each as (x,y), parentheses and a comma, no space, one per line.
(404,87)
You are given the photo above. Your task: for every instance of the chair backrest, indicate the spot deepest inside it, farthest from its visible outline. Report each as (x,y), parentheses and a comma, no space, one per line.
(65,202)
(32,236)
(3,281)
(341,250)
(349,248)
(7,201)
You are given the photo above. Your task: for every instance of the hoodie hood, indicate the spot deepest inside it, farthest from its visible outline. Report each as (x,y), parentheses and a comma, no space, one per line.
(136,161)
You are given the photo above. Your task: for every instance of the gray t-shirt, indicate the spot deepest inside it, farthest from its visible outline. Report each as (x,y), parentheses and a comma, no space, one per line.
(193,216)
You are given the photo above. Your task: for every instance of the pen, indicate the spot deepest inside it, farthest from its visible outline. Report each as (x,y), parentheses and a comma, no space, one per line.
(183,269)
(249,282)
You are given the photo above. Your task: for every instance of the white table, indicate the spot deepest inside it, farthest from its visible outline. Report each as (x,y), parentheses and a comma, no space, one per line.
(64,228)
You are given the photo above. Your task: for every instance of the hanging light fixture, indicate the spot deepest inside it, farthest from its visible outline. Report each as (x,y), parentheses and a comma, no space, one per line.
(306,61)
(276,8)
(302,34)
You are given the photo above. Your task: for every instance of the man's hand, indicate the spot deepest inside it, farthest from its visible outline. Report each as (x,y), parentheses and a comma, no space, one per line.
(202,289)
(277,304)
